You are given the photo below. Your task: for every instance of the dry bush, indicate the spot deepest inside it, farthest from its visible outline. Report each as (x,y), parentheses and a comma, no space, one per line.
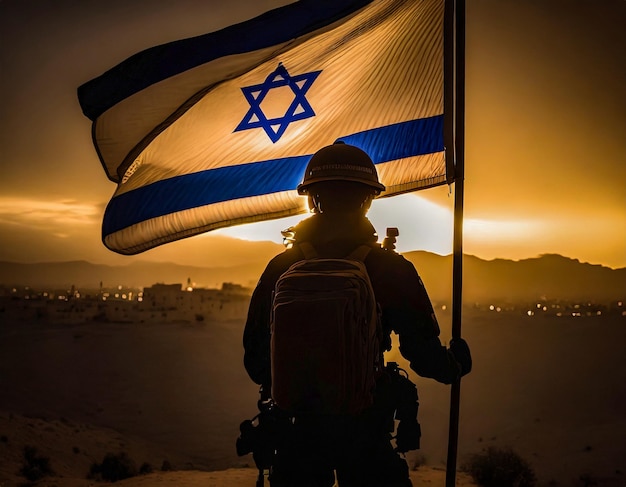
(500,467)
(113,468)
(35,466)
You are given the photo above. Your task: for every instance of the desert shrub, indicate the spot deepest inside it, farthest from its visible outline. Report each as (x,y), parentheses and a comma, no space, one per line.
(113,468)
(145,468)
(500,467)
(166,466)
(35,466)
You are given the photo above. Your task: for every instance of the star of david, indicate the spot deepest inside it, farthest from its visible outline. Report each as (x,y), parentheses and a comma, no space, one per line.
(299,109)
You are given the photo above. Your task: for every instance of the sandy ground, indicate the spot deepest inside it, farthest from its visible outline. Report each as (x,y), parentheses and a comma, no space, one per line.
(72,448)
(554,391)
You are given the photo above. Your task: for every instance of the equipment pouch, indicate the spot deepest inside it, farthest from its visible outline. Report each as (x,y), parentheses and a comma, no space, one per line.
(408,430)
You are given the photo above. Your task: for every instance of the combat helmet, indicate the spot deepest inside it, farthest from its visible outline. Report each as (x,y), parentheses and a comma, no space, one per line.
(340,162)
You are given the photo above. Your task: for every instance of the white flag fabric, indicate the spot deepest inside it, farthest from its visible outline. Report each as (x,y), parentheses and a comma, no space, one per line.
(217,130)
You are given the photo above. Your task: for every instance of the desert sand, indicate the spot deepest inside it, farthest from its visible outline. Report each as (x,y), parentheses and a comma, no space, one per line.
(553,390)
(58,440)
(72,448)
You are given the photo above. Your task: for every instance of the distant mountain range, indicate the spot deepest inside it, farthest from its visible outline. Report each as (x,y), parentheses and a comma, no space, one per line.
(550,276)
(84,274)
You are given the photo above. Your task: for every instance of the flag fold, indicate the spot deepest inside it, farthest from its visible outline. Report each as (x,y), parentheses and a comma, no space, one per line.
(216,130)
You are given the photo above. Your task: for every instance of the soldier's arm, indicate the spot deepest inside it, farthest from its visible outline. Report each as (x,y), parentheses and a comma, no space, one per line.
(410,314)
(256,335)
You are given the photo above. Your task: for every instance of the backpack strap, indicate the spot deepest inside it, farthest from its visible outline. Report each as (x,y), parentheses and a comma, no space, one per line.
(360,253)
(307,250)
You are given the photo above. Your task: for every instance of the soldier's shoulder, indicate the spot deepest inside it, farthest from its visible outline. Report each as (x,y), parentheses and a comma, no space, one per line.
(390,256)
(281,262)
(389,260)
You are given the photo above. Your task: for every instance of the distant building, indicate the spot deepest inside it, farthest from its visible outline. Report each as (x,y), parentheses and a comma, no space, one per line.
(159,303)
(170,302)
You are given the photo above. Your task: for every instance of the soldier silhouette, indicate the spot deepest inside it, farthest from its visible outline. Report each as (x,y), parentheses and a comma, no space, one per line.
(350,440)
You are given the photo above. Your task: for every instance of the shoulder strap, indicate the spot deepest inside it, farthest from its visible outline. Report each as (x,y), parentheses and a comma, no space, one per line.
(308,250)
(360,253)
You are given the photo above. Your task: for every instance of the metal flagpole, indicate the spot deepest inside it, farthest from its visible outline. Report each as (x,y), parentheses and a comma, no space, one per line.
(459,176)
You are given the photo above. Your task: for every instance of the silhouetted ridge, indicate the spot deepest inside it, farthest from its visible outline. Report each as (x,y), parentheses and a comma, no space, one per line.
(549,276)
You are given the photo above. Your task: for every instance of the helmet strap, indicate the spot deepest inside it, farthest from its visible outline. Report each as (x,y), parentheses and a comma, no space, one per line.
(365,206)
(315,204)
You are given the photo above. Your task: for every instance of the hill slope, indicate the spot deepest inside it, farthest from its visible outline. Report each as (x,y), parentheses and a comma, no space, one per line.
(549,276)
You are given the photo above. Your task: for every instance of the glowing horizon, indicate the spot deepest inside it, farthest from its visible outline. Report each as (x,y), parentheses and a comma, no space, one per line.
(544,144)
(425,221)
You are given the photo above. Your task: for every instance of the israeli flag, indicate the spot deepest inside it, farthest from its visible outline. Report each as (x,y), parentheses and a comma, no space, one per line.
(216,130)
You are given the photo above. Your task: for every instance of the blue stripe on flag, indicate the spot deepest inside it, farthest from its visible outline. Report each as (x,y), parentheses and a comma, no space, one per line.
(389,143)
(161,62)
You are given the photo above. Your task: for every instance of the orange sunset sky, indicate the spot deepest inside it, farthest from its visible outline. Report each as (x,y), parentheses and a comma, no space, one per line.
(545,131)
